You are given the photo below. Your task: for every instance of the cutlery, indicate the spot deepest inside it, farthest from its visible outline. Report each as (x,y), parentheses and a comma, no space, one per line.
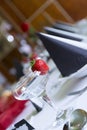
(77,120)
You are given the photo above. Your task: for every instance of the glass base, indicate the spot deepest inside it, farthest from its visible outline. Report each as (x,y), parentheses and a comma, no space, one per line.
(62,117)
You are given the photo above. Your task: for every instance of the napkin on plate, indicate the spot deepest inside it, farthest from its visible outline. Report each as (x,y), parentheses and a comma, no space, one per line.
(66,27)
(61,33)
(69,58)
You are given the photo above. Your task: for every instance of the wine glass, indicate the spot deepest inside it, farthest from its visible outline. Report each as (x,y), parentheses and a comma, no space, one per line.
(30,86)
(33,85)
(63,93)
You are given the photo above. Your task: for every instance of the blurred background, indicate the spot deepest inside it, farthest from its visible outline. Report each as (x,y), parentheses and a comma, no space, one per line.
(19,22)
(20,19)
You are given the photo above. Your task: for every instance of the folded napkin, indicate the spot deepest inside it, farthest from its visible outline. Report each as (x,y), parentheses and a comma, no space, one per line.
(66,27)
(68,57)
(23,125)
(61,33)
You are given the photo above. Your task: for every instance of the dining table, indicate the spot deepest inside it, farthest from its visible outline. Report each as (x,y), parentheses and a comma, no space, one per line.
(43,120)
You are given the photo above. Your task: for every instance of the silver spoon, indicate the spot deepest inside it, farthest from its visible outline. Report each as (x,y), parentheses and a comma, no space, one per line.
(78,119)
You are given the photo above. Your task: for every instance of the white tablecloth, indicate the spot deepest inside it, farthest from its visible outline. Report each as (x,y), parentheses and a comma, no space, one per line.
(44,119)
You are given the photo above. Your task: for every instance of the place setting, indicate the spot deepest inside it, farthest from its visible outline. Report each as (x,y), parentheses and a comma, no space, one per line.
(56,94)
(52,116)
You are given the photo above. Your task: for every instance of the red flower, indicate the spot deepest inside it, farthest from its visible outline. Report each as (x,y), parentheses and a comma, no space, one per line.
(25,27)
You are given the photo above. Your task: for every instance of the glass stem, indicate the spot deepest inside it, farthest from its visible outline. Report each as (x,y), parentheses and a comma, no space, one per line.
(47,100)
(61,115)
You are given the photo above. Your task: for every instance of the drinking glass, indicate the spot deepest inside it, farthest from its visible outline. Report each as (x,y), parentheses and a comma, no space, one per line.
(33,85)
(30,86)
(63,95)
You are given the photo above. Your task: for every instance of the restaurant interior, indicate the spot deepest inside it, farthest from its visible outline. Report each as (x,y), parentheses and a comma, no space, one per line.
(54,31)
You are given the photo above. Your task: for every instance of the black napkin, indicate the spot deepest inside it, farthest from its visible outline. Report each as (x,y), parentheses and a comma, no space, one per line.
(61,33)
(65,23)
(21,123)
(66,27)
(68,58)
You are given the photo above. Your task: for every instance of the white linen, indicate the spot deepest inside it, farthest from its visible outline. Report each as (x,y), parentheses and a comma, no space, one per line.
(44,119)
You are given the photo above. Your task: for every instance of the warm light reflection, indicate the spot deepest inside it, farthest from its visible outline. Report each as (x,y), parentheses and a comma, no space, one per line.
(10,38)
